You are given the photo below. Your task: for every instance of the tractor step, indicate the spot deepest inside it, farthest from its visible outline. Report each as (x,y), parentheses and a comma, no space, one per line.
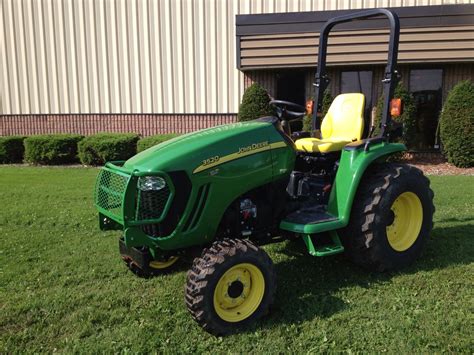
(324,250)
(310,215)
(328,250)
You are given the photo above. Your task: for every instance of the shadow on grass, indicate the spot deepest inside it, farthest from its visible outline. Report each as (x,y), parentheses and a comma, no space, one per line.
(306,284)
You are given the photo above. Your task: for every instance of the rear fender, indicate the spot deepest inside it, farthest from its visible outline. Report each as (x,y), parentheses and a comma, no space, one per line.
(354,162)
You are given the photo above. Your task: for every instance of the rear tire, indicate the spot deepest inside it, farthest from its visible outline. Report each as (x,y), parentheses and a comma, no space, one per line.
(391,218)
(229,286)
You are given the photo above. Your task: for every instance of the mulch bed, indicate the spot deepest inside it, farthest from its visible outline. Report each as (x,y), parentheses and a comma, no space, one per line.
(434,164)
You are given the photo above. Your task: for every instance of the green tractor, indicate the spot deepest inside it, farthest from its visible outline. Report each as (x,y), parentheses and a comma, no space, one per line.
(221,193)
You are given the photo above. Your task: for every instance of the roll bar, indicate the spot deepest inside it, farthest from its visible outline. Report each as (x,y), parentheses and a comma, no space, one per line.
(390,77)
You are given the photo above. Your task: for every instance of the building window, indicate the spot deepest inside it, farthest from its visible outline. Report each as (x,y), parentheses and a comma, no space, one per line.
(426,87)
(359,81)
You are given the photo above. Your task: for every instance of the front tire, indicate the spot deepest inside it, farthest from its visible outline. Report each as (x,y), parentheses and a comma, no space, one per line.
(229,286)
(154,268)
(391,218)
(140,261)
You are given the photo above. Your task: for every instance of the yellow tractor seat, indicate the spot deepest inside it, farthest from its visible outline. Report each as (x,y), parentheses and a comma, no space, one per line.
(343,124)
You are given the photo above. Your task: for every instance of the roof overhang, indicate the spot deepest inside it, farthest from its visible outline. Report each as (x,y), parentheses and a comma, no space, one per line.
(443,33)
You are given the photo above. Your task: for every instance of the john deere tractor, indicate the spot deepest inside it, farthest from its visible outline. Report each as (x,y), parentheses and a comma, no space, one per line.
(221,193)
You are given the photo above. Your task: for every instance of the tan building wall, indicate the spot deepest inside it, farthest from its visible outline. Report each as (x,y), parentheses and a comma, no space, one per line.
(133,56)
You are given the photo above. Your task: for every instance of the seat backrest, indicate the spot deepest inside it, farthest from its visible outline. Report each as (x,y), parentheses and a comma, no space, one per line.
(345,118)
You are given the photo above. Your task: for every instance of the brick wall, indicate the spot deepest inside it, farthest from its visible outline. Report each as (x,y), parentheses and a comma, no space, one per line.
(86,124)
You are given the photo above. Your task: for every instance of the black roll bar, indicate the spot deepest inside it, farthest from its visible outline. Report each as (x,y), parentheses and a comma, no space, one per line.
(390,77)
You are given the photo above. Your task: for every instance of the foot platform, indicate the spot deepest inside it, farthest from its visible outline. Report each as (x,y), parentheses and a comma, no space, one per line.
(310,215)
(311,220)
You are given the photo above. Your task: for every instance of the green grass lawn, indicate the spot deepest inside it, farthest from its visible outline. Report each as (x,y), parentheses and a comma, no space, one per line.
(63,286)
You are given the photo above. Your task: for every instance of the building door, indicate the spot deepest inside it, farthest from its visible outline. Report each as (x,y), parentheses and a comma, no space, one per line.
(359,81)
(291,86)
(426,87)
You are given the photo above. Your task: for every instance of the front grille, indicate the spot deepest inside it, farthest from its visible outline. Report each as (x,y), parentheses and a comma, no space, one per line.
(109,193)
(181,196)
(151,204)
(148,206)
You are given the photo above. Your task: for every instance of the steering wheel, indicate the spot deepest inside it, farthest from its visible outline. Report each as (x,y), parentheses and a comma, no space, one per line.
(288,110)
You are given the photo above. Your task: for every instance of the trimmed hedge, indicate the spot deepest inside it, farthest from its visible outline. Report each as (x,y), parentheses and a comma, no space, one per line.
(103,147)
(327,101)
(12,149)
(457,125)
(151,141)
(407,119)
(255,103)
(52,149)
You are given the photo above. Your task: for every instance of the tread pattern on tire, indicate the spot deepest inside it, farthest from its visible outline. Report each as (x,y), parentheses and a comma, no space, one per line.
(358,237)
(202,271)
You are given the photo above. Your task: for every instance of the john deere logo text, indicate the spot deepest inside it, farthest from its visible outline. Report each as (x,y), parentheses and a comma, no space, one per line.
(252,147)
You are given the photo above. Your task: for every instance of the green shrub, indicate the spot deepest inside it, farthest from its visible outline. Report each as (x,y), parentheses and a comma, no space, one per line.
(52,149)
(407,118)
(11,149)
(457,125)
(255,103)
(151,141)
(103,147)
(327,101)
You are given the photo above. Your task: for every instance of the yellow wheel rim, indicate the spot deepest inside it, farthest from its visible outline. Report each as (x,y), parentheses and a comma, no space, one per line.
(239,292)
(155,264)
(407,220)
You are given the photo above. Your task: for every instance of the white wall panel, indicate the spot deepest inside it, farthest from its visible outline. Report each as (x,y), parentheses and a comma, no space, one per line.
(22,74)
(11,59)
(110,10)
(60,54)
(102,70)
(4,94)
(133,56)
(70,58)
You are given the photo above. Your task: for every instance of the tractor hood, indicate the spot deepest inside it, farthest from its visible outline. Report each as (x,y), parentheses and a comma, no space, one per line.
(189,151)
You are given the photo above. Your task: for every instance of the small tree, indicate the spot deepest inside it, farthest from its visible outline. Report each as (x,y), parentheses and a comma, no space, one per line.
(327,101)
(457,125)
(407,119)
(255,103)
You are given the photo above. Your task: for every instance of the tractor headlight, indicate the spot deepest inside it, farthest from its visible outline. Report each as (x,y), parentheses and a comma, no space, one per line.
(151,183)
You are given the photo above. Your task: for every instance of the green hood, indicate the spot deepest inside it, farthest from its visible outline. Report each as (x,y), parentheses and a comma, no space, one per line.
(186,152)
